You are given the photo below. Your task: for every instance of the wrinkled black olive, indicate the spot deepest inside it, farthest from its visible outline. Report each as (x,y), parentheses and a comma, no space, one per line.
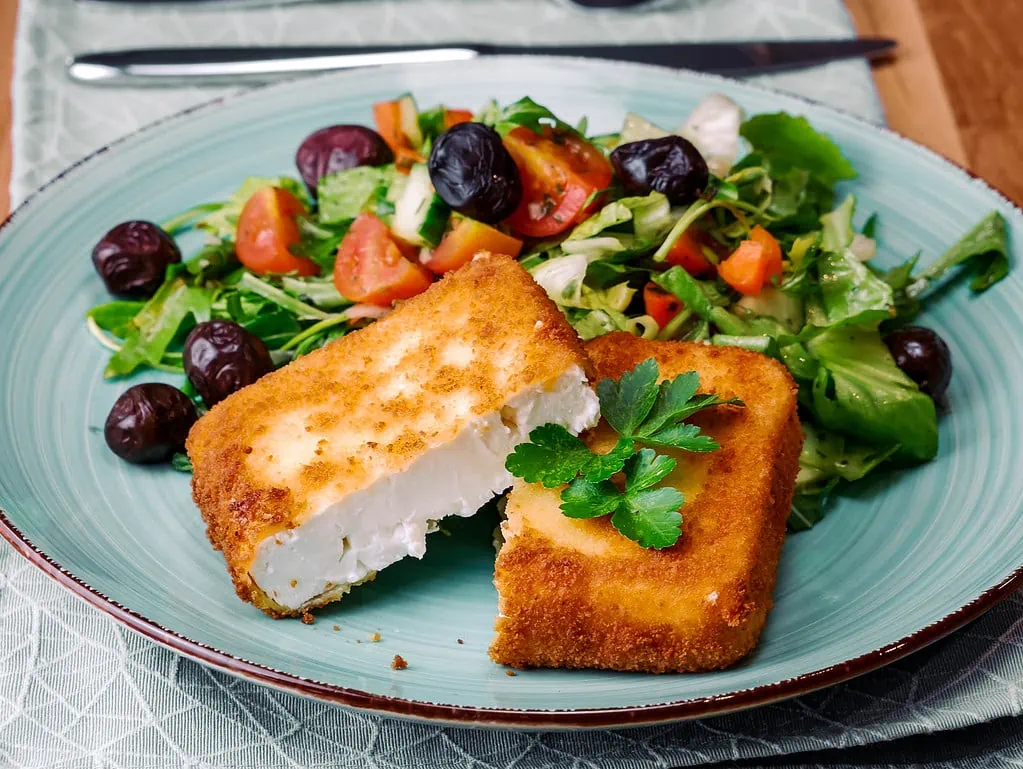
(337,148)
(474,173)
(149,422)
(220,357)
(670,165)
(133,257)
(923,356)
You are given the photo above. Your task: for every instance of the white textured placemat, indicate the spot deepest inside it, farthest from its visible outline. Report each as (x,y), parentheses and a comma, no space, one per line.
(76,690)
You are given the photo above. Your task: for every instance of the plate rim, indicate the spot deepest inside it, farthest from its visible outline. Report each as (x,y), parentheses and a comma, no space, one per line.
(461,715)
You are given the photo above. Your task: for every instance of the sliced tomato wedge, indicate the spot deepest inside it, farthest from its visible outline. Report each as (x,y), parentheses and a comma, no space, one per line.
(267,230)
(688,254)
(465,240)
(659,304)
(560,172)
(371,269)
(387,116)
(456,116)
(772,250)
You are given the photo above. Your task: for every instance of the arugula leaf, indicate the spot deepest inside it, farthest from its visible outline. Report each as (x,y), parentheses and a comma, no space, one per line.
(181,462)
(319,292)
(807,511)
(696,296)
(859,391)
(157,324)
(212,262)
(116,316)
(554,456)
(303,311)
(275,328)
(223,222)
(345,194)
(627,402)
(789,141)
(985,246)
(524,112)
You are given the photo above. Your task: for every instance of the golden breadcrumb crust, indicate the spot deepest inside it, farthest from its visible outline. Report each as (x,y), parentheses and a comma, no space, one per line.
(369,404)
(577,594)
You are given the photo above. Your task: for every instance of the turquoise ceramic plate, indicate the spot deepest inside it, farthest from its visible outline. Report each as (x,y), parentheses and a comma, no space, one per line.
(897,564)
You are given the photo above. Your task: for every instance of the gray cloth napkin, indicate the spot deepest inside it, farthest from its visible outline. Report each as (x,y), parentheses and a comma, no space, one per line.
(77,690)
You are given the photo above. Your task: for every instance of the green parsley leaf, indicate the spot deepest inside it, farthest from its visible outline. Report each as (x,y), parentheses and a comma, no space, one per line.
(627,402)
(651,518)
(646,468)
(640,410)
(682,436)
(554,456)
(672,401)
(647,516)
(583,499)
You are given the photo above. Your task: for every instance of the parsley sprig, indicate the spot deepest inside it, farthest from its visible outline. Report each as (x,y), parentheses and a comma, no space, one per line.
(641,411)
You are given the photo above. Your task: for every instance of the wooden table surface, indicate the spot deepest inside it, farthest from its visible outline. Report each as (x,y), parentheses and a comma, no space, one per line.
(954,85)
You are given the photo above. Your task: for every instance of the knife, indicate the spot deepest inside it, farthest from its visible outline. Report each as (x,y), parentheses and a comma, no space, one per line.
(167,66)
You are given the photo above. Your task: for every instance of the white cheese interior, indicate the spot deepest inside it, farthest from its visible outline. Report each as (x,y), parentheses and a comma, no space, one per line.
(364,532)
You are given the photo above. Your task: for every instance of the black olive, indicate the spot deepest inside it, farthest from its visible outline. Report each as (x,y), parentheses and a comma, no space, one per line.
(133,257)
(923,356)
(474,173)
(337,148)
(220,357)
(149,422)
(670,165)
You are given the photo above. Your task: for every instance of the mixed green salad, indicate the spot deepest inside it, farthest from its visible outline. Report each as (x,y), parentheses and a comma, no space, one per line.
(728,231)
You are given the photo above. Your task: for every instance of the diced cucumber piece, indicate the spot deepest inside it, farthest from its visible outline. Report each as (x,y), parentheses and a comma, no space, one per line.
(420,216)
(636,128)
(408,119)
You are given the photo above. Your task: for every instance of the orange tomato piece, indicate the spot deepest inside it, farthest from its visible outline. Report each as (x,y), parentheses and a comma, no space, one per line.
(455,116)
(387,116)
(746,269)
(267,230)
(370,268)
(467,239)
(560,171)
(688,254)
(772,250)
(659,304)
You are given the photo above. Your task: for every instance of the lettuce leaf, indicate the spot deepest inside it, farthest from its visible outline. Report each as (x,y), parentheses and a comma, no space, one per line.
(788,141)
(859,391)
(985,247)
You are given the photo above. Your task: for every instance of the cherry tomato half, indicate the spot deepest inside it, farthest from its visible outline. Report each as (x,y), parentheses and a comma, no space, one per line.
(560,171)
(267,229)
(688,254)
(659,304)
(370,267)
(467,239)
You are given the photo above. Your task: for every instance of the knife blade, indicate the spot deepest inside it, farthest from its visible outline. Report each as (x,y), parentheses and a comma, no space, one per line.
(165,66)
